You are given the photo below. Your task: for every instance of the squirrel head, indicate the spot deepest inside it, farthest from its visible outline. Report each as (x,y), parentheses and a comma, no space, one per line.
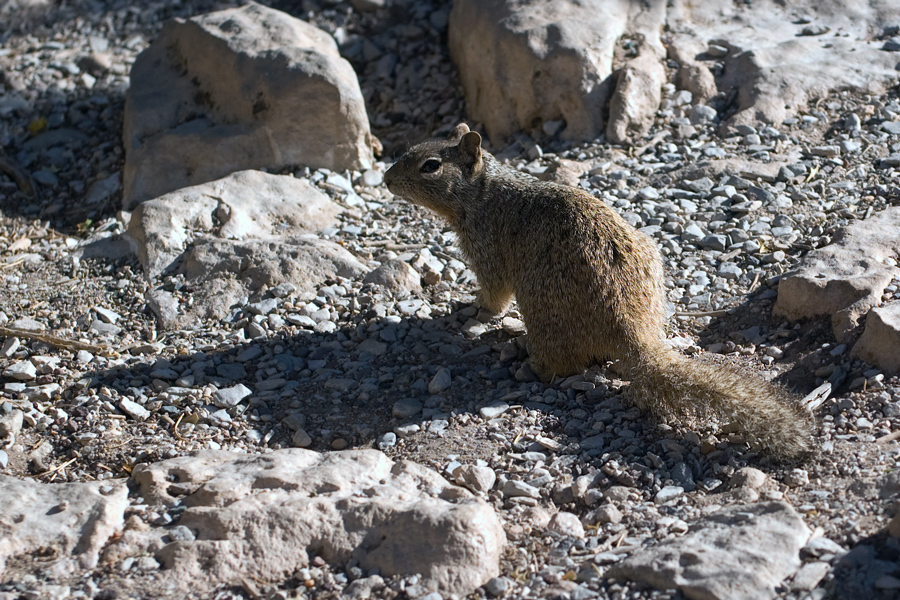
(440,175)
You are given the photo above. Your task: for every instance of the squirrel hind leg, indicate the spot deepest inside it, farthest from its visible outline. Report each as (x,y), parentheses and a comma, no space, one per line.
(550,363)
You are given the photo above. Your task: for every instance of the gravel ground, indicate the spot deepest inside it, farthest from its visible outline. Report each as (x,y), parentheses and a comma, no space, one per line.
(423,377)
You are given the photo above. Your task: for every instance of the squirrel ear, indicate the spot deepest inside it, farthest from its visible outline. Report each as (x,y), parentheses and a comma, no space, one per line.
(470,145)
(459,131)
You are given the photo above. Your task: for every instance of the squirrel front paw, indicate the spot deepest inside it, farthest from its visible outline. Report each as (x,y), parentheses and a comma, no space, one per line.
(489,305)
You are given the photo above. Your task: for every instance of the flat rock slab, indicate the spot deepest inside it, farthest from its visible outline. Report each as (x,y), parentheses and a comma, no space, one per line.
(845,279)
(67,524)
(262,517)
(780,56)
(740,552)
(231,237)
(243,88)
(597,65)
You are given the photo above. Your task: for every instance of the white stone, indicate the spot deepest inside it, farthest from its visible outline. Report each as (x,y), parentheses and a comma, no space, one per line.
(846,278)
(399,518)
(395,275)
(566,523)
(229,238)
(69,523)
(243,88)
(21,371)
(880,341)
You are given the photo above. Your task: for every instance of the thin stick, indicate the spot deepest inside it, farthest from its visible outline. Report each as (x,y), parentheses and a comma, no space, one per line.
(889,438)
(54,340)
(56,468)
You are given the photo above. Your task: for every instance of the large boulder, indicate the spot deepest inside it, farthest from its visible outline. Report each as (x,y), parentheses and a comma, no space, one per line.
(243,88)
(598,65)
(234,236)
(263,517)
(526,63)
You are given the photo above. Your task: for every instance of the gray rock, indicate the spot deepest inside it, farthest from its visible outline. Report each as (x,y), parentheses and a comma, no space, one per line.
(387,440)
(11,426)
(891,127)
(846,278)
(231,90)
(301,439)
(441,381)
(880,341)
(497,586)
(102,189)
(738,552)
(566,62)
(69,523)
(107,315)
(701,113)
(242,206)
(21,371)
(607,513)
(821,547)
(28,324)
(263,307)
(566,523)
(10,345)
(406,408)
(133,409)
(399,518)
(478,479)
(714,242)
(232,396)
(668,493)
(372,346)
(228,238)
(809,576)
(516,489)
(493,410)
(396,275)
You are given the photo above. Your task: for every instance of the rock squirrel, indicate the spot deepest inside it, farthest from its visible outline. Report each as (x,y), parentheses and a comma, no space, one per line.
(588,285)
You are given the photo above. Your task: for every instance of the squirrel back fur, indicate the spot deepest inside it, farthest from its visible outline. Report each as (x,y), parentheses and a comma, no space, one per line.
(588,285)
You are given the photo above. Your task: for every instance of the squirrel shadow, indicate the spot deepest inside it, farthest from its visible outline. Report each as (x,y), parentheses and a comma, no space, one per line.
(347,397)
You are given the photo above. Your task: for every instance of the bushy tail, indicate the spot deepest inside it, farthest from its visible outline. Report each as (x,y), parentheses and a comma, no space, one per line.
(667,382)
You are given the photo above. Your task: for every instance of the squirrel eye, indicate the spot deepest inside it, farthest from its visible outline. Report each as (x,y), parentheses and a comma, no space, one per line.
(430,166)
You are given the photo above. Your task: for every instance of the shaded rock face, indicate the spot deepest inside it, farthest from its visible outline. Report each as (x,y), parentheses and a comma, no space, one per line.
(524,63)
(846,280)
(231,237)
(598,65)
(69,523)
(243,88)
(264,516)
(738,552)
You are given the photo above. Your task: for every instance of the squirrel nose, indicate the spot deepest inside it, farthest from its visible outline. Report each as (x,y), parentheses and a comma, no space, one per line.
(389,177)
